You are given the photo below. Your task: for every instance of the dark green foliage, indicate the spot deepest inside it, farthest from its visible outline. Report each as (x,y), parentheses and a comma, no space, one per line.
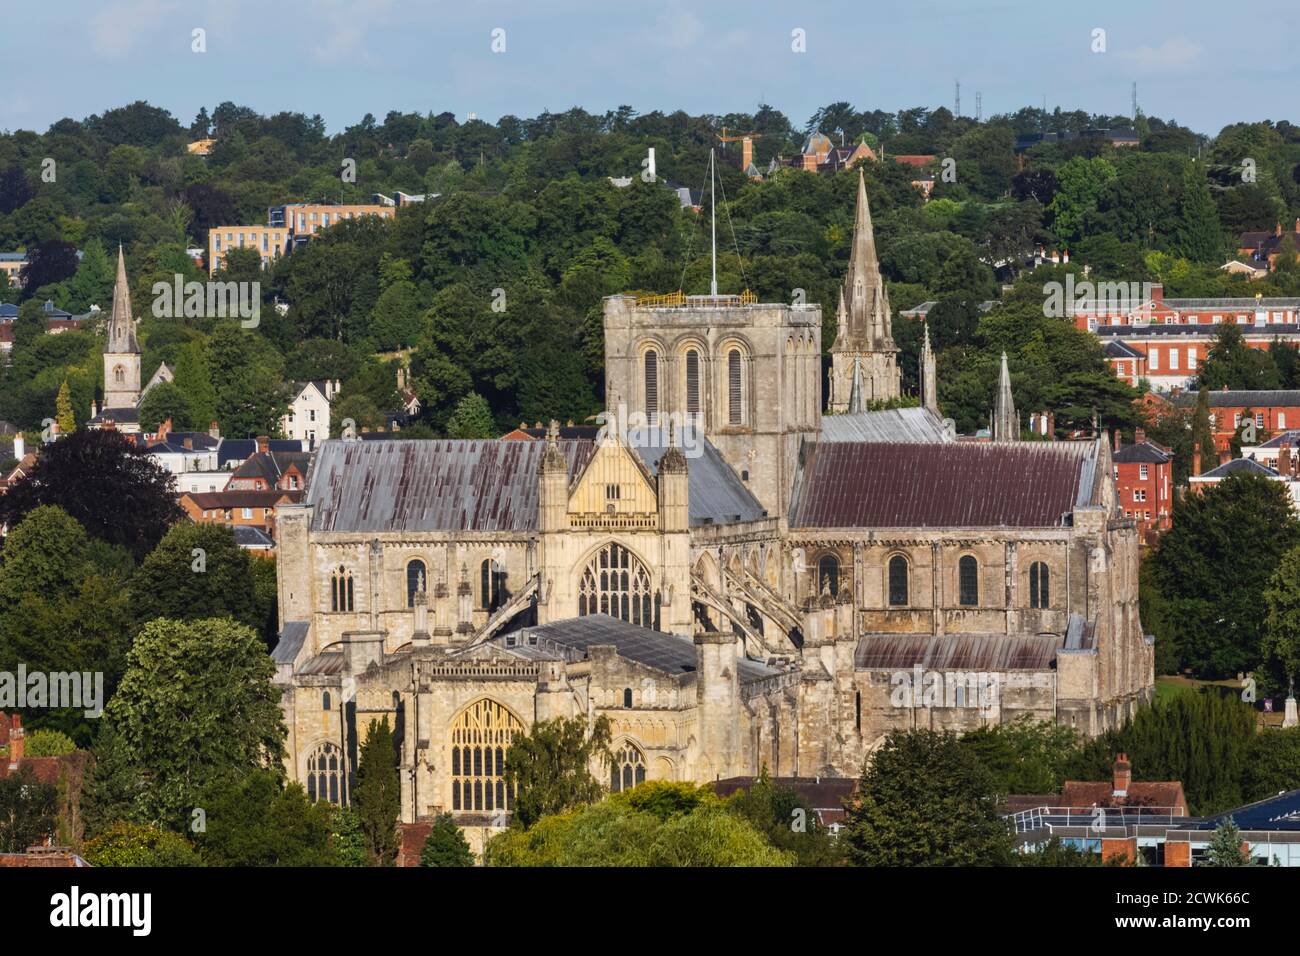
(114,491)
(1226,846)
(1026,756)
(786,822)
(549,766)
(198,571)
(445,844)
(1231,363)
(28,811)
(377,796)
(926,801)
(255,820)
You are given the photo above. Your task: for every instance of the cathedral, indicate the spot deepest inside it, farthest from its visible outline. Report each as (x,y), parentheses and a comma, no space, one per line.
(734,572)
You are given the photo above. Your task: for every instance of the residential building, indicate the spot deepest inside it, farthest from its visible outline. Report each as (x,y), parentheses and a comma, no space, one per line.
(308,417)
(1144,478)
(1272,410)
(1285,473)
(271,242)
(238,509)
(269,470)
(1260,249)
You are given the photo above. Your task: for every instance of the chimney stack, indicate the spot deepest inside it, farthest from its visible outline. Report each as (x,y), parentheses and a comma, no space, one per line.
(1139,436)
(214,431)
(15,741)
(188,443)
(1118,440)
(1196,459)
(1123,775)
(263,444)
(1284,461)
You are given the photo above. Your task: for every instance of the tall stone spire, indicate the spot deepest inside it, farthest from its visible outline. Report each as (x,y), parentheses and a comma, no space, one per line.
(121,323)
(1006,423)
(864,341)
(929,383)
(121,351)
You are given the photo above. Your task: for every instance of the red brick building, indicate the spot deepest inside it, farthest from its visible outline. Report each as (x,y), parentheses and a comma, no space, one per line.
(1144,478)
(1272,411)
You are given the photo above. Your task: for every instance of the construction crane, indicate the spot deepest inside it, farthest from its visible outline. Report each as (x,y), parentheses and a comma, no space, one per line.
(736,138)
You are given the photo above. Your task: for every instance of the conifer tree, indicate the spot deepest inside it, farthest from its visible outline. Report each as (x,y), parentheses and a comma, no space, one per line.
(378,796)
(63,410)
(1226,846)
(1199,236)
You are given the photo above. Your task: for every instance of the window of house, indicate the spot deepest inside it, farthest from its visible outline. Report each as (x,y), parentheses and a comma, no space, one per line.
(1143,471)
(1139,494)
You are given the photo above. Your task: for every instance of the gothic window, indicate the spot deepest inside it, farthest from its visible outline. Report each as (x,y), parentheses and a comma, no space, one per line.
(325,701)
(627,769)
(968,584)
(325,774)
(417,578)
(652,385)
(491,585)
(341,590)
(1038,591)
(480,737)
(692,382)
(627,696)
(898,581)
(616,583)
(735,390)
(828,575)
(119,374)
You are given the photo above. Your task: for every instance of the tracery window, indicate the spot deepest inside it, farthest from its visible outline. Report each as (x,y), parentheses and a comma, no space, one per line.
(480,737)
(616,583)
(341,590)
(491,585)
(627,769)
(325,774)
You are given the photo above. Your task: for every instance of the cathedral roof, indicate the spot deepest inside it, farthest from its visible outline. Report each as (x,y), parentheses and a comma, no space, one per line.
(972,652)
(890,425)
(716,495)
(958,485)
(440,485)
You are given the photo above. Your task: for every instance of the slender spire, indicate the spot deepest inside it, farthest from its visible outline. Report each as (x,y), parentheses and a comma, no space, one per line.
(1006,423)
(929,383)
(856,404)
(868,302)
(121,323)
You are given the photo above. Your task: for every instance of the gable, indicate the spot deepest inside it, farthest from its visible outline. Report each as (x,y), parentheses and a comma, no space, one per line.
(614,486)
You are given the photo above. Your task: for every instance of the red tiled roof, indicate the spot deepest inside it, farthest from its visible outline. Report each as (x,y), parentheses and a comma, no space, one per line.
(962,485)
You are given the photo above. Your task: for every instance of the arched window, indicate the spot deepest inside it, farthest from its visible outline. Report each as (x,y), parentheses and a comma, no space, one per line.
(491,585)
(119,374)
(341,591)
(652,385)
(325,701)
(325,774)
(828,575)
(735,389)
(692,382)
(968,584)
(480,737)
(1039,596)
(416,580)
(616,583)
(627,696)
(627,769)
(898,581)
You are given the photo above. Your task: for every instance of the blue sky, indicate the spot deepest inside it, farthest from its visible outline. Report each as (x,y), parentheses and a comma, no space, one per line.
(1194,60)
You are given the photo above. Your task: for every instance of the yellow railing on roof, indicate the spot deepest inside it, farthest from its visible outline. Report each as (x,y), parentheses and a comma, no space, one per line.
(665,301)
(678,299)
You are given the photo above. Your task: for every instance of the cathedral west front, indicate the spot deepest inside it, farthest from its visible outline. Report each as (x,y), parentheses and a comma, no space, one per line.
(740,575)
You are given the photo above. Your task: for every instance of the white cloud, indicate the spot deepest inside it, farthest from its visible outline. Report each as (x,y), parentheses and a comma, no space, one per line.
(1177,54)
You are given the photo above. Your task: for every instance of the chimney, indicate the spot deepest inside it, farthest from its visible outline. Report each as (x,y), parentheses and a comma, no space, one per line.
(15,741)
(1118,440)
(20,446)
(1123,775)
(214,431)
(188,443)
(1158,294)
(1196,459)
(1139,436)
(1284,461)
(164,429)
(263,444)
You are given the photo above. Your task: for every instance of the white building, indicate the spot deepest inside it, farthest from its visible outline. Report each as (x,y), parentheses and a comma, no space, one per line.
(308,419)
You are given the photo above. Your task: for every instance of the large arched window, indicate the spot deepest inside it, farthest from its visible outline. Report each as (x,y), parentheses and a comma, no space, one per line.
(417,579)
(968,583)
(828,575)
(692,383)
(325,774)
(480,737)
(627,769)
(341,590)
(491,585)
(1039,596)
(652,385)
(616,583)
(898,581)
(735,388)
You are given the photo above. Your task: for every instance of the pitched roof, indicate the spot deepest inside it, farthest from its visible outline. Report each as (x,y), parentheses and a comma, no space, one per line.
(251,498)
(270,465)
(903,425)
(1238,466)
(957,485)
(715,493)
(974,652)
(1245,398)
(1146,451)
(438,485)
(241,449)
(1116,348)
(249,536)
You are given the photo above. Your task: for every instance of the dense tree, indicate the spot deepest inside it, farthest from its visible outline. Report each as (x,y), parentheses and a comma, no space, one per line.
(28,810)
(1226,846)
(133,844)
(1231,363)
(256,820)
(165,401)
(924,800)
(445,845)
(1026,756)
(113,490)
(197,571)
(378,793)
(549,767)
(1199,237)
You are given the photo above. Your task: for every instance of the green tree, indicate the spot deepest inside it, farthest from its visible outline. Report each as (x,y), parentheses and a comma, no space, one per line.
(198,571)
(925,801)
(63,410)
(48,743)
(1226,846)
(378,793)
(445,845)
(1281,644)
(28,810)
(1273,766)
(1198,235)
(786,822)
(349,841)
(133,844)
(165,401)
(549,767)
(471,419)
(172,711)
(255,820)
(46,553)
(1025,756)
(1203,433)
(1231,363)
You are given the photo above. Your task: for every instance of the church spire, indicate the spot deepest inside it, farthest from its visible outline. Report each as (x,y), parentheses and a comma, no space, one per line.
(868,323)
(1006,423)
(121,323)
(929,382)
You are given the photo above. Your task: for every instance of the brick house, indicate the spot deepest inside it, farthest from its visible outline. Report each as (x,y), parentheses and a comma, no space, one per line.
(66,772)
(1144,475)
